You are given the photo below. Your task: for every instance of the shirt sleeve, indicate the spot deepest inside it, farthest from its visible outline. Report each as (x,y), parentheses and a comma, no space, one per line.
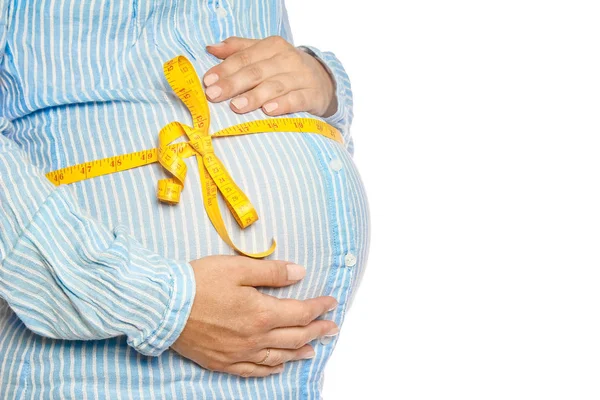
(67,276)
(342,118)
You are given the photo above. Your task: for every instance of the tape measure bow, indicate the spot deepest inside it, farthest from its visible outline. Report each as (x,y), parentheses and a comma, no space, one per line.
(214,177)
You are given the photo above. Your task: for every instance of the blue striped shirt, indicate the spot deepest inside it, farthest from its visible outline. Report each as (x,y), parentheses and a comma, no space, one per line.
(95,283)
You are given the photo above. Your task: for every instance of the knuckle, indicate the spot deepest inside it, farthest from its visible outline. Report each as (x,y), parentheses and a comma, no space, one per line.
(299,342)
(301,101)
(214,365)
(263,320)
(281,59)
(305,317)
(278,40)
(291,55)
(255,72)
(276,359)
(298,79)
(278,272)
(278,87)
(251,342)
(246,371)
(244,58)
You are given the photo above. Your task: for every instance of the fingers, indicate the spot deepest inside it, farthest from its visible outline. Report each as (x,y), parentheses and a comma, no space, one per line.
(251,76)
(271,88)
(277,69)
(272,74)
(310,100)
(272,273)
(258,51)
(281,356)
(229,46)
(290,312)
(296,337)
(247,370)
(272,365)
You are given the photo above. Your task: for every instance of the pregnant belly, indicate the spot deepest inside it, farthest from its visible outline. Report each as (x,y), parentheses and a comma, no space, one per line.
(305,188)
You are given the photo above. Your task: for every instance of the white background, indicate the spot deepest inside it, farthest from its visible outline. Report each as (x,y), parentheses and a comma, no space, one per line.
(476,129)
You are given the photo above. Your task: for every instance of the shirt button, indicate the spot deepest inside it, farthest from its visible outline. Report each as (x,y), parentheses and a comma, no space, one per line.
(221,12)
(335,164)
(325,340)
(350,260)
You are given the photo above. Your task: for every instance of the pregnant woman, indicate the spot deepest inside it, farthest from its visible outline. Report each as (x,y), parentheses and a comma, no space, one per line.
(107,293)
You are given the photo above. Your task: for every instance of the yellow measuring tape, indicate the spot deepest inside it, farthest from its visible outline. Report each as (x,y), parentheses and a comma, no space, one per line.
(213,175)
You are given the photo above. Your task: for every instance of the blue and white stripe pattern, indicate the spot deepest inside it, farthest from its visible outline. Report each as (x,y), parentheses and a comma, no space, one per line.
(95,283)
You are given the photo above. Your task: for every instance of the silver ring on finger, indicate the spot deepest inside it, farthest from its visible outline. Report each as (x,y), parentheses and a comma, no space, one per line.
(266,357)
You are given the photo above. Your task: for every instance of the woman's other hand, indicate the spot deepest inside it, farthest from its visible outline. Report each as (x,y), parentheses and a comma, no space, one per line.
(270,73)
(231,324)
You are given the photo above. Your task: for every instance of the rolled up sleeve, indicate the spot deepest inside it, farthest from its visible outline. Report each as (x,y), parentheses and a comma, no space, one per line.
(69,277)
(344,115)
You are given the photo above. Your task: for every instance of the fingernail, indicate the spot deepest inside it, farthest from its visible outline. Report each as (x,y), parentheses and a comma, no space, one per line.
(269,107)
(220,44)
(295,272)
(240,102)
(333,308)
(213,92)
(279,370)
(309,355)
(210,79)
(332,332)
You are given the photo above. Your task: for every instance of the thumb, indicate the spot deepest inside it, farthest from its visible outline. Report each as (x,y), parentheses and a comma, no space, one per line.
(229,46)
(269,272)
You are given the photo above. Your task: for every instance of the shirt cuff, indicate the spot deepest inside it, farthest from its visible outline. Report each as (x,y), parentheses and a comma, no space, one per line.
(343,116)
(183,288)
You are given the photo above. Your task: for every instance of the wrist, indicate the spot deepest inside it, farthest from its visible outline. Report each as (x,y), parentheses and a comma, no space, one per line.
(331,89)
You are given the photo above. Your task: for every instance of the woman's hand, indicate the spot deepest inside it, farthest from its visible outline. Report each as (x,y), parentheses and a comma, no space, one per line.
(232,324)
(270,73)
